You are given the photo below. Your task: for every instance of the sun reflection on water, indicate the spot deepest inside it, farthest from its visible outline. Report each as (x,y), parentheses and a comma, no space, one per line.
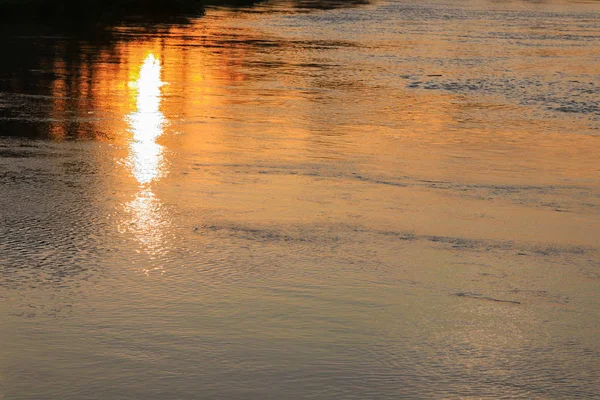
(148,221)
(147,123)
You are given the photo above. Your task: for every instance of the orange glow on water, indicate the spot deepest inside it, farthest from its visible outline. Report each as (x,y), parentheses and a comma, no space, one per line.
(147,219)
(147,123)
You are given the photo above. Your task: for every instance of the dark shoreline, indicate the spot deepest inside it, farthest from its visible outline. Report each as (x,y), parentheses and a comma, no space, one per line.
(106,11)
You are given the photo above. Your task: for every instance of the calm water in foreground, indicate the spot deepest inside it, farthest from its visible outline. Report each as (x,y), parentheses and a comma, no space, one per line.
(304,200)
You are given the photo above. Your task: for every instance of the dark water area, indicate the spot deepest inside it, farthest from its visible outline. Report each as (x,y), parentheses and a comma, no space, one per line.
(73,37)
(302,200)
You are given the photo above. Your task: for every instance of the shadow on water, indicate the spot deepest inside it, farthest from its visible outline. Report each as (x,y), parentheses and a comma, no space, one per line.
(56,49)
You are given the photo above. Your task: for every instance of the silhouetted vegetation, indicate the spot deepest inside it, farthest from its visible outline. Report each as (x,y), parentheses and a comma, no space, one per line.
(105,10)
(99,12)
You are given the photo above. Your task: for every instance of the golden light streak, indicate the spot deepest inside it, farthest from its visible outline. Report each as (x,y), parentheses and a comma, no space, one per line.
(147,124)
(148,221)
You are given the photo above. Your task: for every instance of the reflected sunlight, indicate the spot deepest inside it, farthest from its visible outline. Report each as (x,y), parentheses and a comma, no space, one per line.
(147,123)
(146,160)
(149,224)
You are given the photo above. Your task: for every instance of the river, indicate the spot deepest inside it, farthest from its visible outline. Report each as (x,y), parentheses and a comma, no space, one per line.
(304,200)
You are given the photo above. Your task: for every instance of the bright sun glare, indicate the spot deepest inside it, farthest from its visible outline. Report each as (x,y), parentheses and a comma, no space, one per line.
(147,123)
(146,156)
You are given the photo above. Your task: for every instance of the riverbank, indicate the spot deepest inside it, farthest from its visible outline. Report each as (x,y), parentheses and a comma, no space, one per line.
(101,10)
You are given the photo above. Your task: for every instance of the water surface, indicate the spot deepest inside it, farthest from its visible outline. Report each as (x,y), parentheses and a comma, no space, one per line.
(304,200)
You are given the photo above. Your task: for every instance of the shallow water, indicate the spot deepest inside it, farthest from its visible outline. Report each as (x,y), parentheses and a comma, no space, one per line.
(304,200)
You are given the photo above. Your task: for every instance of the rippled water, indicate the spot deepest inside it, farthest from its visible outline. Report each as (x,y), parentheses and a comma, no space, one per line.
(304,200)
